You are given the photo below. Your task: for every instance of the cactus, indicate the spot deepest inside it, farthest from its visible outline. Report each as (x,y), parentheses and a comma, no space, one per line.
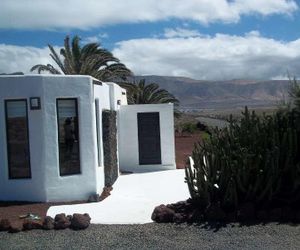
(254,160)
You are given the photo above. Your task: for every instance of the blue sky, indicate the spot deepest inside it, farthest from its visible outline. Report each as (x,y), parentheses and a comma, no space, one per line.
(202,39)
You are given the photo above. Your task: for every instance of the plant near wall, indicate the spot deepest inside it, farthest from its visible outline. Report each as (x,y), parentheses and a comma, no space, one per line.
(254,161)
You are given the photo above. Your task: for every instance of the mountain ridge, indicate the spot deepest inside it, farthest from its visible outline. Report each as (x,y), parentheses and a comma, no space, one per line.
(227,94)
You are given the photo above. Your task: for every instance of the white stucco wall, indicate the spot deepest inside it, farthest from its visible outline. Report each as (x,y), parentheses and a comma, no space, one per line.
(46,183)
(23,189)
(101,94)
(128,137)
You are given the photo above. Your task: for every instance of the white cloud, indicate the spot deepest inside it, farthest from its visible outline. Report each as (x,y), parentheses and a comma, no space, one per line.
(95,39)
(180,32)
(18,58)
(220,57)
(42,14)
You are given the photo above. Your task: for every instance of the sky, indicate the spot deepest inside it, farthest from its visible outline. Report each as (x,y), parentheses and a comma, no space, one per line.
(200,39)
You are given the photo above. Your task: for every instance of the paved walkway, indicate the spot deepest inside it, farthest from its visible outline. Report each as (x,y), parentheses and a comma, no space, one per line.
(133,198)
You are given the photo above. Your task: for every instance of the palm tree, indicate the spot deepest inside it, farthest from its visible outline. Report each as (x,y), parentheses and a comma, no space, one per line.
(142,93)
(90,59)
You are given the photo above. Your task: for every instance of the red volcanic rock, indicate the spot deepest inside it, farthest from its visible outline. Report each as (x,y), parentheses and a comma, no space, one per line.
(61,221)
(80,221)
(32,224)
(48,223)
(163,214)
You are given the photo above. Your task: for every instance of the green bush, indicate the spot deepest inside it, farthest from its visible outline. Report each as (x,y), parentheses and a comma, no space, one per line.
(189,127)
(255,160)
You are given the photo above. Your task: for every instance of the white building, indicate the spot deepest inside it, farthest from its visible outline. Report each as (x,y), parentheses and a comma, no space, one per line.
(53,139)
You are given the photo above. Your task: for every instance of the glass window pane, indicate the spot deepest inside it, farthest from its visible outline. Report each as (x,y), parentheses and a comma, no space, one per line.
(68,136)
(17,139)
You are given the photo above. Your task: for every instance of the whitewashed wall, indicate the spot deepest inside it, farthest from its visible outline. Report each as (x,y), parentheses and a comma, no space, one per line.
(46,184)
(128,137)
(19,87)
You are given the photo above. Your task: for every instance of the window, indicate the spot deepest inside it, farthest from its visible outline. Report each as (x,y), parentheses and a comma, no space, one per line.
(17,139)
(149,138)
(68,136)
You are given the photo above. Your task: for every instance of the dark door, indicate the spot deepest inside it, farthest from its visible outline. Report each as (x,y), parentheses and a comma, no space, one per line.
(149,138)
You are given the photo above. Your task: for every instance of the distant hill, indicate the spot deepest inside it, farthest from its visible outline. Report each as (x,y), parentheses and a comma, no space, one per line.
(198,94)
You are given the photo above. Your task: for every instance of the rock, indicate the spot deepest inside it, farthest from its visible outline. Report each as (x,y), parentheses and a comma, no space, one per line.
(162,214)
(61,221)
(15,227)
(48,223)
(32,224)
(4,225)
(275,214)
(94,198)
(80,221)
(180,207)
(106,192)
(179,218)
(246,212)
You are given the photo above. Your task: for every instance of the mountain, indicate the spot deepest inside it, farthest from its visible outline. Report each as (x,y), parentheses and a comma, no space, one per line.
(199,94)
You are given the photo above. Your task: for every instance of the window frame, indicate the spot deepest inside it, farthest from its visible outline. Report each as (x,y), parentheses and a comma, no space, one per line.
(6,101)
(58,134)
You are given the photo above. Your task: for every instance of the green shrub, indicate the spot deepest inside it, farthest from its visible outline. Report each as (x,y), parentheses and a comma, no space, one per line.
(255,160)
(189,127)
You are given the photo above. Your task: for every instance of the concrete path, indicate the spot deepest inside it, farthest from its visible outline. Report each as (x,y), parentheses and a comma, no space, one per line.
(133,198)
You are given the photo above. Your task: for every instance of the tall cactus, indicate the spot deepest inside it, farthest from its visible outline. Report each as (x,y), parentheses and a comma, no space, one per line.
(255,160)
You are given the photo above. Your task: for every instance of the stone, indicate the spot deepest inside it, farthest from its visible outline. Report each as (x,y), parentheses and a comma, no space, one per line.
(32,224)
(94,198)
(106,192)
(15,227)
(80,221)
(48,223)
(162,214)
(179,218)
(61,221)
(4,225)
(215,213)
(246,212)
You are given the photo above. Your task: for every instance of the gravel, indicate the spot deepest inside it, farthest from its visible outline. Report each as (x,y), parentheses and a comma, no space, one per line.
(159,236)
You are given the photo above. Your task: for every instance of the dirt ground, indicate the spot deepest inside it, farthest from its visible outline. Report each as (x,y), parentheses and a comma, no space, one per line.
(184,145)
(12,210)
